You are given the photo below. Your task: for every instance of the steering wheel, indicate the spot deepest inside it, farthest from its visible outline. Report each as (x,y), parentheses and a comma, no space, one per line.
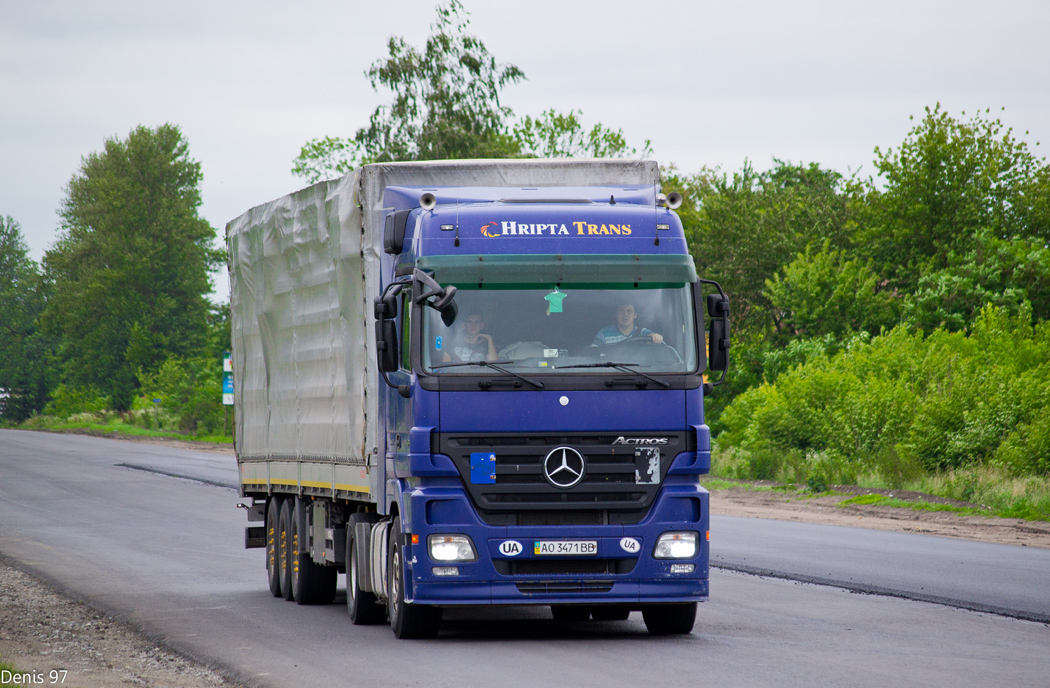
(644,340)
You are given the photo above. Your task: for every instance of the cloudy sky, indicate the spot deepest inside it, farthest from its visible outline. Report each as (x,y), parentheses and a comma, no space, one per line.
(710,83)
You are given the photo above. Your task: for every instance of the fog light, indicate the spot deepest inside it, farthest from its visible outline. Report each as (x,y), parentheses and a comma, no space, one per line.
(445,570)
(683,568)
(451,548)
(681,545)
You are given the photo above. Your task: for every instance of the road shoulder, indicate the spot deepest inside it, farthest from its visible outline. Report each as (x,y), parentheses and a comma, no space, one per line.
(755,499)
(53,640)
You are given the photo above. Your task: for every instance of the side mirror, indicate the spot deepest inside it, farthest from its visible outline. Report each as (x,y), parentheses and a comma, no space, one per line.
(394,231)
(385,308)
(449,313)
(718,346)
(443,297)
(718,343)
(386,346)
(717,306)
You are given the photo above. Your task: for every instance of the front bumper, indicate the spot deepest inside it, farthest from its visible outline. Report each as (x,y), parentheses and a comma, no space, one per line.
(628,577)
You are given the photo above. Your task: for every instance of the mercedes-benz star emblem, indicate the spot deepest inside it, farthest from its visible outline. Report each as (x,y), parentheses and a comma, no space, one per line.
(564,467)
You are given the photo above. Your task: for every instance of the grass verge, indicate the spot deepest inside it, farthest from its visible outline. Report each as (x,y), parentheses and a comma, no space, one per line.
(115,425)
(7,670)
(992,488)
(883,500)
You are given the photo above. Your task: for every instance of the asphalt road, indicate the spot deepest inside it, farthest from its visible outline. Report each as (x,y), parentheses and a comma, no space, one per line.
(167,555)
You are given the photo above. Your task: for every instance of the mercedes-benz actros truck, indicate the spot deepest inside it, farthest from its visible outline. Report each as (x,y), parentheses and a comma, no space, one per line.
(477,383)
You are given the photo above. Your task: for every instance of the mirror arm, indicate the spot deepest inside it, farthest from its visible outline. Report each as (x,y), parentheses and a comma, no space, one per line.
(716,285)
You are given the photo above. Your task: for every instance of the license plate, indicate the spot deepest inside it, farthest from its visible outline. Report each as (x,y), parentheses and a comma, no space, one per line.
(572,547)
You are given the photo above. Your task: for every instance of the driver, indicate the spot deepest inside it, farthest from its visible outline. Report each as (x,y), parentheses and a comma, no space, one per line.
(624,328)
(471,344)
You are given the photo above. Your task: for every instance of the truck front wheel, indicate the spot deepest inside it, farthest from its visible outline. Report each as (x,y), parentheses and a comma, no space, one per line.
(407,620)
(670,619)
(362,606)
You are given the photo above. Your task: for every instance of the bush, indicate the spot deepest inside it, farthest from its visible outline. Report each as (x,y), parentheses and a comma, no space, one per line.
(903,404)
(40,422)
(67,401)
(190,391)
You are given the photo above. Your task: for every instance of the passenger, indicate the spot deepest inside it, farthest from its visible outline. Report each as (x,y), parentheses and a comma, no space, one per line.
(471,344)
(624,328)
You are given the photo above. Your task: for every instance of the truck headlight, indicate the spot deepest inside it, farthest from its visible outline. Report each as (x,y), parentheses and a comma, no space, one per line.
(676,545)
(451,548)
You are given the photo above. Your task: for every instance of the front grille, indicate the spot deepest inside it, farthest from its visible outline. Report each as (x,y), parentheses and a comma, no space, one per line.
(521,495)
(563,587)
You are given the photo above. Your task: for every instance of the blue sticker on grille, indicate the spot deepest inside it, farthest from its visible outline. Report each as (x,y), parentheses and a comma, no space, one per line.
(483,468)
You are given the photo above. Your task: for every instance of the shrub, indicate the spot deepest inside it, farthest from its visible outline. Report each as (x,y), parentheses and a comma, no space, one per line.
(902,404)
(67,401)
(190,391)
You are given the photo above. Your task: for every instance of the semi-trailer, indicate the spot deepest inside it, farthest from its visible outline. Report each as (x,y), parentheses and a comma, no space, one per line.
(477,383)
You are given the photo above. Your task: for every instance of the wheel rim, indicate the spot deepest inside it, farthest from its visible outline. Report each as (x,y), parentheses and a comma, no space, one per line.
(283,552)
(295,557)
(271,545)
(395,586)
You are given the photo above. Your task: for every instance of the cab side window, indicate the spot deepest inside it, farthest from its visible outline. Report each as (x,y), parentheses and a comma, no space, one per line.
(406,330)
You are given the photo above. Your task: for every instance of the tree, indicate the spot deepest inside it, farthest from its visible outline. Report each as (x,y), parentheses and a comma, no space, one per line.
(130,267)
(742,229)
(949,184)
(23,350)
(557,135)
(825,292)
(447,105)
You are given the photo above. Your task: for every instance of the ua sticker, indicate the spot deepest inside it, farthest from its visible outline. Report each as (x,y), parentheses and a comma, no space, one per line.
(510,548)
(630,545)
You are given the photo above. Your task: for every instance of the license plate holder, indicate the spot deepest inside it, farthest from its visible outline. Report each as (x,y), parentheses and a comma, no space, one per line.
(570,548)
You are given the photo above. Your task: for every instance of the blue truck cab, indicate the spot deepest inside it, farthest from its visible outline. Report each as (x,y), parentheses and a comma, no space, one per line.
(543,358)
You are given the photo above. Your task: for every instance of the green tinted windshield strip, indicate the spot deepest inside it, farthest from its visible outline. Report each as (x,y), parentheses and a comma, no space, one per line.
(467,286)
(598,269)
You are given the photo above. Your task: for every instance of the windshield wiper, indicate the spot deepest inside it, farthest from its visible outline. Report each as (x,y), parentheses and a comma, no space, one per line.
(619,366)
(537,385)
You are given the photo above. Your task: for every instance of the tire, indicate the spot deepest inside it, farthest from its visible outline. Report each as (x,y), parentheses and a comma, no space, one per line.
(312,583)
(407,620)
(273,566)
(284,547)
(670,619)
(364,608)
(613,612)
(570,614)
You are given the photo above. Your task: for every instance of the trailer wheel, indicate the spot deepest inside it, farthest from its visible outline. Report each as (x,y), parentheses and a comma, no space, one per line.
(615,612)
(273,566)
(570,614)
(284,547)
(407,620)
(363,607)
(670,619)
(312,583)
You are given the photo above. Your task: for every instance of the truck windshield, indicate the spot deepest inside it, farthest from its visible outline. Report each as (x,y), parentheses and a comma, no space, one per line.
(564,329)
